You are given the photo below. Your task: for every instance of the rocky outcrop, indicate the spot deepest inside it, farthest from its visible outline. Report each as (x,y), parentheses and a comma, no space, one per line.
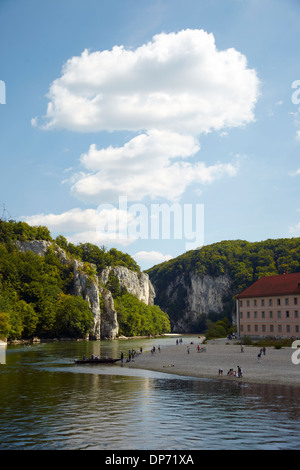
(90,288)
(40,247)
(109,320)
(87,287)
(191,296)
(137,284)
(84,284)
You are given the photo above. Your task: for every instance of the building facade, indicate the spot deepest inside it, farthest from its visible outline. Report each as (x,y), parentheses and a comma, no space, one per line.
(270,307)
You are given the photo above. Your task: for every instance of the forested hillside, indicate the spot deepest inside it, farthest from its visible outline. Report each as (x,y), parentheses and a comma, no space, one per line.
(36,292)
(244,261)
(239,261)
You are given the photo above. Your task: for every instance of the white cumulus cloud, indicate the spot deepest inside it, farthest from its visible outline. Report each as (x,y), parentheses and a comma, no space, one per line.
(99,226)
(153,163)
(151,257)
(177,81)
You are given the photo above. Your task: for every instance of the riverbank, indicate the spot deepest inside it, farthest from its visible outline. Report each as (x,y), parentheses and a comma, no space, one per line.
(273,367)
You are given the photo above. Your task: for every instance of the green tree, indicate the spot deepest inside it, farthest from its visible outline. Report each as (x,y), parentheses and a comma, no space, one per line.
(73,316)
(5,325)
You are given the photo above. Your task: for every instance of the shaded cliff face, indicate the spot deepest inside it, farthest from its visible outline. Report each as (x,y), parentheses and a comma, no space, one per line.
(191,297)
(137,284)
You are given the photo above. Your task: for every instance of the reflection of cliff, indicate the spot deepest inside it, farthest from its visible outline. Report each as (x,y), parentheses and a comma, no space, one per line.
(94,290)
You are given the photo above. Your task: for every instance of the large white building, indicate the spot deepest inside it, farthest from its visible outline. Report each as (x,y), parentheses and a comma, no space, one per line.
(270,307)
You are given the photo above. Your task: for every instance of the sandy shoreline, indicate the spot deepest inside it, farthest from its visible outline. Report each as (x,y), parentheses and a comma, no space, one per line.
(275,367)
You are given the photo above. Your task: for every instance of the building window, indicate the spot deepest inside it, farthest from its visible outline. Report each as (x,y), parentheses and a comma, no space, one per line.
(262,302)
(286,301)
(278,301)
(262,314)
(255,303)
(287,314)
(264,328)
(270,302)
(271,314)
(271,328)
(255,314)
(248,314)
(248,303)
(288,328)
(297,328)
(255,328)
(241,303)
(241,314)
(279,328)
(296,313)
(295,300)
(248,328)
(279,314)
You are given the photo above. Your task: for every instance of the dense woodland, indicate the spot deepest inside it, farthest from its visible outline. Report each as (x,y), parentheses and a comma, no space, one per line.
(36,292)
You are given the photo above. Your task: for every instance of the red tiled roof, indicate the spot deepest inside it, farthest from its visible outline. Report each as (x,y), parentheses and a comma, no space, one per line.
(282,284)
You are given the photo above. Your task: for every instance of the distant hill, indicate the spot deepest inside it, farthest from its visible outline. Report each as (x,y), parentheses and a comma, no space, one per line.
(201,284)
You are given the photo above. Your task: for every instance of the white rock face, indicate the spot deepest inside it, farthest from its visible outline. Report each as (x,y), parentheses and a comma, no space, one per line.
(88,289)
(38,247)
(84,285)
(197,296)
(137,284)
(206,293)
(109,321)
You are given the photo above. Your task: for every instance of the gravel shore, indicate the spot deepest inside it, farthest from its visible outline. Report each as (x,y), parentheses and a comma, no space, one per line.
(275,367)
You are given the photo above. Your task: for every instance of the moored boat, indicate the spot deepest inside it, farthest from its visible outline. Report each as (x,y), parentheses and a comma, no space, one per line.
(106,360)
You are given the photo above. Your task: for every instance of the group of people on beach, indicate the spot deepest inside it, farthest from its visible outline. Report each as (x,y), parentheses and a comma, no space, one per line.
(233,373)
(262,351)
(132,353)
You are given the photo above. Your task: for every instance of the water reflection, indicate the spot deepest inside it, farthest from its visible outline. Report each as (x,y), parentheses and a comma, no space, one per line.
(47,402)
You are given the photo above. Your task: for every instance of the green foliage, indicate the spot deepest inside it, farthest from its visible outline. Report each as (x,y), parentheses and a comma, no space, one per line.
(219,329)
(98,255)
(138,319)
(11,231)
(35,291)
(73,316)
(5,325)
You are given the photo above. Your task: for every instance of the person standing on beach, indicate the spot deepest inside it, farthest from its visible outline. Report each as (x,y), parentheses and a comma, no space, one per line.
(259,357)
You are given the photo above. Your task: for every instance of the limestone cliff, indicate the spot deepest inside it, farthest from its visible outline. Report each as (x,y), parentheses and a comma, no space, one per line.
(84,284)
(137,284)
(87,287)
(92,289)
(109,321)
(191,296)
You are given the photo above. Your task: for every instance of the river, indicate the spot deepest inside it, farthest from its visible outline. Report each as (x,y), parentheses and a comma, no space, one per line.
(49,403)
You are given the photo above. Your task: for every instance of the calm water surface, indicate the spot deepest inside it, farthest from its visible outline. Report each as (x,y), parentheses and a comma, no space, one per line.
(48,402)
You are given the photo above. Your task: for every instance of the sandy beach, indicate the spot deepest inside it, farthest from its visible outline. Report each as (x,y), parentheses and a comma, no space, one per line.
(275,367)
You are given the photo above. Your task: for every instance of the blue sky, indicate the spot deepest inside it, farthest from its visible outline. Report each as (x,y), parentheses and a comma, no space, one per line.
(157,102)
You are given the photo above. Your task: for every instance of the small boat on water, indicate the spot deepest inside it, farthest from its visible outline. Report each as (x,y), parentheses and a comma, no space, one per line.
(106,360)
